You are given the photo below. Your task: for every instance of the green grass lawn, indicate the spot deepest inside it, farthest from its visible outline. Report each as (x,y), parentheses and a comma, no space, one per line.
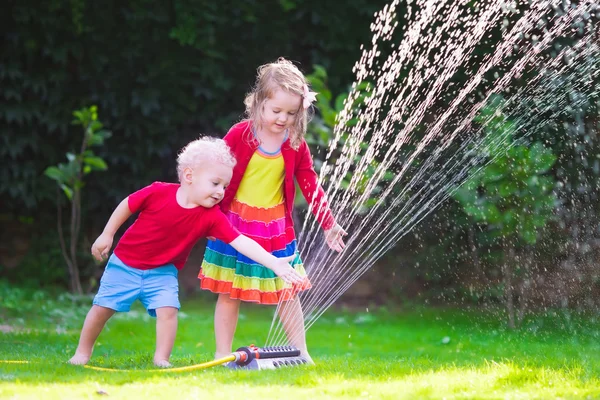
(408,353)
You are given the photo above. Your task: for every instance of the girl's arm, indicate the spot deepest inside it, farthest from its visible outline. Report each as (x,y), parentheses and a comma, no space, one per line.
(103,244)
(279,266)
(315,196)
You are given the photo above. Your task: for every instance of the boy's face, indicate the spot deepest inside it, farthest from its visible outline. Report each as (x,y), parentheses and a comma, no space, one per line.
(208,183)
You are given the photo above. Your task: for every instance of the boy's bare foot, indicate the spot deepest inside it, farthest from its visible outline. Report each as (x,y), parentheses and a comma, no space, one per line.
(162,363)
(79,359)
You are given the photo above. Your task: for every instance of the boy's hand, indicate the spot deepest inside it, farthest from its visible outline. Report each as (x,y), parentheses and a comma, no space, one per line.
(101,247)
(283,270)
(334,237)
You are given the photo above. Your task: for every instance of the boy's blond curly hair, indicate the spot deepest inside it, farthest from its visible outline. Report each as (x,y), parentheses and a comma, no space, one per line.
(283,75)
(204,150)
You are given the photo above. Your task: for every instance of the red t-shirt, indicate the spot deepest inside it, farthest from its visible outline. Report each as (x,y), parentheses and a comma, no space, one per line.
(164,232)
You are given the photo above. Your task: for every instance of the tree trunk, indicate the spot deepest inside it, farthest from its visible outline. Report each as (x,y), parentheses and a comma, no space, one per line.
(75,216)
(69,256)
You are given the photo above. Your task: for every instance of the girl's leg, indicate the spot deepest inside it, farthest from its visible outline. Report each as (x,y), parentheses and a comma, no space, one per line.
(292,319)
(166,330)
(94,322)
(226,317)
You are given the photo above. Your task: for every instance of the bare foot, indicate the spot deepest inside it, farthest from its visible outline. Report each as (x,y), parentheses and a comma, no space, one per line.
(217,355)
(308,358)
(79,359)
(162,363)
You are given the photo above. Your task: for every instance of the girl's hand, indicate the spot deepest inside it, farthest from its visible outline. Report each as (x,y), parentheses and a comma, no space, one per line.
(102,246)
(282,269)
(334,237)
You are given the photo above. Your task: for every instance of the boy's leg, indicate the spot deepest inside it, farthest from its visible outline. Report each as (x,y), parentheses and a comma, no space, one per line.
(292,318)
(94,322)
(226,317)
(166,330)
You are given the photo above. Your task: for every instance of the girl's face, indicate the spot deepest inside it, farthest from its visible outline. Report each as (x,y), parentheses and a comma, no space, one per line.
(280,112)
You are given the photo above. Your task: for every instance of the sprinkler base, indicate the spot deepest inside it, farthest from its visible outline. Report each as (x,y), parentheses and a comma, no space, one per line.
(269,363)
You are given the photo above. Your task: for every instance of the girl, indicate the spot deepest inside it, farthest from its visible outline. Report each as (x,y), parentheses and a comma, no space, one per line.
(270,150)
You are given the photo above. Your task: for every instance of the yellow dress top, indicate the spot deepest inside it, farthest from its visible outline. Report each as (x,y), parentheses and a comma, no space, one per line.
(262,183)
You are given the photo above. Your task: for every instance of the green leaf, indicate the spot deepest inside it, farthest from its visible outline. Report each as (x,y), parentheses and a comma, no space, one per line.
(68,191)
(339,102)
(492,173)
(96,163)
(542,159)
(95,126)
(507,188)
(79,117)
(509,220)
(54,173)
(465,196)
(492,214)
(539,220)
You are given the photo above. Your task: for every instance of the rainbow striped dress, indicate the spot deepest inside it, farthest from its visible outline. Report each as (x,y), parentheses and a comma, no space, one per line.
(257,211)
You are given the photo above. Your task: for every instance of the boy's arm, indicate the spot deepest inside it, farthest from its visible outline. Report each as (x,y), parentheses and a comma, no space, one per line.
(279,266)
(103,244)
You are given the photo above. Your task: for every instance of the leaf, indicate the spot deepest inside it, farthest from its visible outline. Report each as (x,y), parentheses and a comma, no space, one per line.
(68,191)
(79,117)
(509,220)
(96,163)
(528,233)
(95,126)
(465,195)
(492,173)
(507,188)
(542,159)
(339,102)
(492,214)
(475,211)
(97,138)
(54,173)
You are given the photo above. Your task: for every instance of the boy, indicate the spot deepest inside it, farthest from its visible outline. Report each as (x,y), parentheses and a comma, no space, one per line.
(172,217)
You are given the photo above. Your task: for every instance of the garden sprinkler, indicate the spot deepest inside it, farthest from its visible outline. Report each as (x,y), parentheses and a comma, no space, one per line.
(257,358)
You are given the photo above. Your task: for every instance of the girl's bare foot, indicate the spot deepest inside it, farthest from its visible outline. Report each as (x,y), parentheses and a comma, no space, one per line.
(79,359)
(307,357)
(162,363)
(217,355)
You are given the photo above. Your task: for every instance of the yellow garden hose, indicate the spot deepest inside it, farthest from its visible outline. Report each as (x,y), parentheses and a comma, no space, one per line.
(208,364)
(242,357)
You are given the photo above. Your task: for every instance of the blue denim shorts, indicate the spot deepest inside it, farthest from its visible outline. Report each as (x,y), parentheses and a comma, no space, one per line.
(121,285)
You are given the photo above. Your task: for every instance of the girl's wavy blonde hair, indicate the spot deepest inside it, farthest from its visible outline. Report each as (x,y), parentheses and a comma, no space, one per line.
(202,151)
(283,75)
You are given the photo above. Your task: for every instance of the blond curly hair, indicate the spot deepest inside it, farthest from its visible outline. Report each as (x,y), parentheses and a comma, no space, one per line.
(284,75)
(204,150)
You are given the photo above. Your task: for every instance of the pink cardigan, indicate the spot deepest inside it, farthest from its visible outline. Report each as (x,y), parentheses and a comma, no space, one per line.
(298,163)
